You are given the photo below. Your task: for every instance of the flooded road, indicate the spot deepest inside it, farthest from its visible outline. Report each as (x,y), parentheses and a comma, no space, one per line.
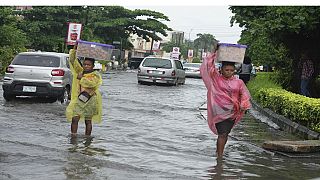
(148,132)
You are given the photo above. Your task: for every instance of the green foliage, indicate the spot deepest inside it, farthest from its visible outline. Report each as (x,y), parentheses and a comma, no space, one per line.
(169,46)
(46,26)
(12,40)
(298,108)
(262,80)
(276,35)
(205,41)
(196,60)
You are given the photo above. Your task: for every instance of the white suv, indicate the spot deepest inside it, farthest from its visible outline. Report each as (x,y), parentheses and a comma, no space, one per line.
(41,74)
(161,70)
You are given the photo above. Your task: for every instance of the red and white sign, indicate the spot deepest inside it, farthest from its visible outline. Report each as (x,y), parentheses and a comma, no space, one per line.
(176,50)
(74,32)
(175,53)
(190,53)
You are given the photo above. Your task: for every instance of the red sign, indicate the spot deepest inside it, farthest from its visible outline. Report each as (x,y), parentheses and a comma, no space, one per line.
(74,32)
(175,49)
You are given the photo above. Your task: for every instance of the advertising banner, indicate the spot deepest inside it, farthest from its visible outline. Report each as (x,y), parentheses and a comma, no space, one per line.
(190,53)
(156,45)
(74,31)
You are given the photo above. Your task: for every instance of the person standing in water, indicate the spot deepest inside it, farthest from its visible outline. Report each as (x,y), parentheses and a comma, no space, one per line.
(227,99)
(86,101)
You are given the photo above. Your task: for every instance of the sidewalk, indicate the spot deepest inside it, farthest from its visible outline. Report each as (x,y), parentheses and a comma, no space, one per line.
(260,130)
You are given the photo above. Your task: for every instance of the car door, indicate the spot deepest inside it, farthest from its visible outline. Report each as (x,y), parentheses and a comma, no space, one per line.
(180,71)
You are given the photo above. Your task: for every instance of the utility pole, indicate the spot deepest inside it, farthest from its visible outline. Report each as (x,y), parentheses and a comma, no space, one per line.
(152,41)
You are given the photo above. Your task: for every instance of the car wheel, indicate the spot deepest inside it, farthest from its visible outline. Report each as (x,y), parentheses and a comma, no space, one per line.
(64,99)
(7,96)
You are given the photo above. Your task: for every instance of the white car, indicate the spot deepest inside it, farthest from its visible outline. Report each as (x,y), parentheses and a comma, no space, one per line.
(40,74)
(192,69)
(161,70)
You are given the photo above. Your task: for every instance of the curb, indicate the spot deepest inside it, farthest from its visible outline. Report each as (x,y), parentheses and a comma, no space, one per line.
(286,124)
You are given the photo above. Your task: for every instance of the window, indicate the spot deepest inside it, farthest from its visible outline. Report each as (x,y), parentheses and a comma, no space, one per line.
(37,60)
(178,64)
(67,62)
(192,65)
(157,63)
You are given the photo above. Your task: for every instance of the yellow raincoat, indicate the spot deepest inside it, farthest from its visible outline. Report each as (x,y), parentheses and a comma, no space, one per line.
(93,107)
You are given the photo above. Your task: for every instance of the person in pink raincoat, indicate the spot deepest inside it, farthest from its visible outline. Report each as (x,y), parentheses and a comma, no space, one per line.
(227,99)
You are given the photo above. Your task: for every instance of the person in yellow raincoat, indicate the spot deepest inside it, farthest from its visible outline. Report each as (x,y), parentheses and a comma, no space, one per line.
(86,101)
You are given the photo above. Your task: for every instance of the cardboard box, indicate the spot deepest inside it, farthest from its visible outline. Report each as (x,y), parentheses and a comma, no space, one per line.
(231,52)
(94,50)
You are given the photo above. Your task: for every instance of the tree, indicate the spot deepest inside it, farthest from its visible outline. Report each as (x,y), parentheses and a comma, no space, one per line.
(205,41)
(284,32)
(169,46)
(12,40)
(46,27)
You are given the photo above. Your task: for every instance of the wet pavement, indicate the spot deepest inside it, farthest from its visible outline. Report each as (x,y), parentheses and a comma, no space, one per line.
(148,132)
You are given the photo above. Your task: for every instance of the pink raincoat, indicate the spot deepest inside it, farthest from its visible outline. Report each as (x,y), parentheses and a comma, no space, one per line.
(226,98)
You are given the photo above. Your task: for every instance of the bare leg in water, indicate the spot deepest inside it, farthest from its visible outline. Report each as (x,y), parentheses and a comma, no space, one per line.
(74,125)
(88,127)
(221,142)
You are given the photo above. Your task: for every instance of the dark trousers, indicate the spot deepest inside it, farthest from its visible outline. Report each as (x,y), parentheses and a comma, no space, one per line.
(244,77)
(304,87)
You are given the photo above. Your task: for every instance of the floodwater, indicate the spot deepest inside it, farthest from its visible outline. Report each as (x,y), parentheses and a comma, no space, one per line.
(148,132)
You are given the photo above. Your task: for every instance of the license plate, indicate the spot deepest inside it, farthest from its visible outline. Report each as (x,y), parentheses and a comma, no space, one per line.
(29,89)
(155,72)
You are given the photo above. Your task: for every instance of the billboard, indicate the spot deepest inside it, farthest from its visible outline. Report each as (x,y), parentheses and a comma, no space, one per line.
(190,53)
(74,31)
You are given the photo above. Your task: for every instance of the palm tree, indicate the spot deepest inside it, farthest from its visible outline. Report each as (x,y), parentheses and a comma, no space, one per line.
(205,42)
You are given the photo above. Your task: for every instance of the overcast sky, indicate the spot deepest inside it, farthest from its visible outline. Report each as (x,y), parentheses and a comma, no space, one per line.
(214,20)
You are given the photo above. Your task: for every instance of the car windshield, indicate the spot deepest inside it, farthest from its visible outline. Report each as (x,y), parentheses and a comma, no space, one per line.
(192,65)
(157,63)
(37,60)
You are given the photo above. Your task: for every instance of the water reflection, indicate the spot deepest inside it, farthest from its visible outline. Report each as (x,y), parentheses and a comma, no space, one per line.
(82,160)
(221,171)
(216,171)
(83,144)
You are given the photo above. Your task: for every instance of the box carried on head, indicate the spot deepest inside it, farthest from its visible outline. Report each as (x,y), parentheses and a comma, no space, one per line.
(94,50)
(231,52)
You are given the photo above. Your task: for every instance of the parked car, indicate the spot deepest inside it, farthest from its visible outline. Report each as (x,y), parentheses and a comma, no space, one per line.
(192,70)
(40,74)
(134,62)
(161,70)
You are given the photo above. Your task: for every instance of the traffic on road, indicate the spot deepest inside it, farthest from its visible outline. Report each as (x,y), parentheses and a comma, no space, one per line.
(147,132)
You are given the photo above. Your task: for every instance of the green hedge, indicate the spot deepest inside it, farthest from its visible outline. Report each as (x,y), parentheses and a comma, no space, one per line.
(298,108)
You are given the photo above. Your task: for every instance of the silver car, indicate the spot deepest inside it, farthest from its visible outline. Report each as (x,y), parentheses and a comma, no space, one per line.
(40,74)
(161,70)
(192,70)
